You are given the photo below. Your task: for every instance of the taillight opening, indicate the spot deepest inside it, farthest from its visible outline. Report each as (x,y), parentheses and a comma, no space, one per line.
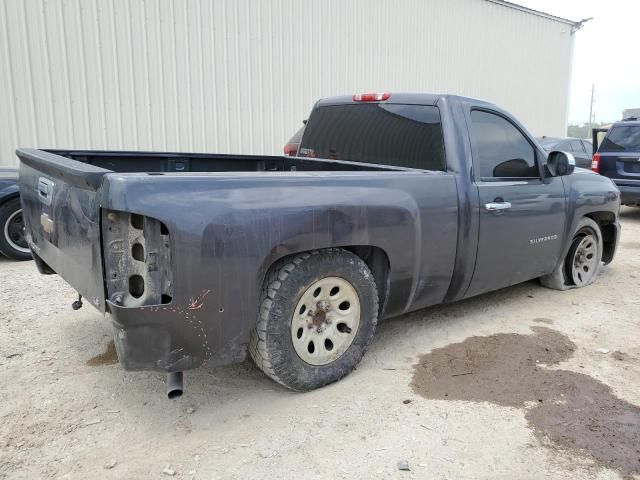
(371,97)
(595,163)
(137,259)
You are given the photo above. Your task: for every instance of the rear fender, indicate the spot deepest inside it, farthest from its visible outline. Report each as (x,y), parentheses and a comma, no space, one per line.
(226,230)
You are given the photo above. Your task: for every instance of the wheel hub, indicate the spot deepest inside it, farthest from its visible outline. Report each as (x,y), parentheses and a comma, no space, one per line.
(325,320)
(319,318)
(585,260)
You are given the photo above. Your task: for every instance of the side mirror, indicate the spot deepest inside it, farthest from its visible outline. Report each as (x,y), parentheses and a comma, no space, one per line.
(560,163)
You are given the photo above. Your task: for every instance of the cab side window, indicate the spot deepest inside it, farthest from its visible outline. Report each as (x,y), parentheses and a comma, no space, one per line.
(503,152)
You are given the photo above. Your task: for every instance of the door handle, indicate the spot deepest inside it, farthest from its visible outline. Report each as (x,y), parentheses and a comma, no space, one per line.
(497,206)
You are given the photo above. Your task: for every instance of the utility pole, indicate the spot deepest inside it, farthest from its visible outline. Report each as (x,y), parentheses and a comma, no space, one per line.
(591,111)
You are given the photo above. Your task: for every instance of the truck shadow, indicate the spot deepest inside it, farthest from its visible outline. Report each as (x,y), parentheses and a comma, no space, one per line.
(555,401)
(566,410)
(390,333)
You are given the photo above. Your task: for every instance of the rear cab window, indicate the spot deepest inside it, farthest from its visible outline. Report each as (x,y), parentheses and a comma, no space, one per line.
(398,135)
(622,138)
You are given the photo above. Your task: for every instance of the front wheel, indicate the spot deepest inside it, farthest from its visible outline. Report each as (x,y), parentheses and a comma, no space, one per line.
(582,263)
(318,314)
(12,239)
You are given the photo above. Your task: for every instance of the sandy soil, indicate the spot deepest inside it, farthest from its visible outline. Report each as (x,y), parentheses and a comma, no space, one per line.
(68,411)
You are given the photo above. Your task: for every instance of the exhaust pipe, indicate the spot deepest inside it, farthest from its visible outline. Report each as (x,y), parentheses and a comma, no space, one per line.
(174,385)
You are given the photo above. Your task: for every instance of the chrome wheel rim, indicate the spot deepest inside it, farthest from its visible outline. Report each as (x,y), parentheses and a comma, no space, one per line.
(14,232)
(325,321)
(585,260)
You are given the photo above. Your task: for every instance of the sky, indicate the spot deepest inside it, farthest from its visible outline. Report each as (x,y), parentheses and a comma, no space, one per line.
(605,54)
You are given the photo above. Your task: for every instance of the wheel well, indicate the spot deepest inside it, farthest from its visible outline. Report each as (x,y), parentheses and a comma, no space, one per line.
(378,262)
(605,221)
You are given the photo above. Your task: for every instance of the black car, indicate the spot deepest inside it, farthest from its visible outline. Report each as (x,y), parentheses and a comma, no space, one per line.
(12,241)
(618,157)
(582,150)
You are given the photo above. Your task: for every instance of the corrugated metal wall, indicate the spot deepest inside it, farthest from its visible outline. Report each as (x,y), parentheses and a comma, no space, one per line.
(240,75)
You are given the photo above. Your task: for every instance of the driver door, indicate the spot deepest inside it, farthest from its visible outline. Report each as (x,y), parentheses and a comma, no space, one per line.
(521,213)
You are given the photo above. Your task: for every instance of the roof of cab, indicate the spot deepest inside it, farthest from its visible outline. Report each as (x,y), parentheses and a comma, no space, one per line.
(402,98)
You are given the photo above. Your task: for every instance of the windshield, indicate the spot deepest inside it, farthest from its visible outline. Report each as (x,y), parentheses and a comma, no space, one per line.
(622,139)
(397,135)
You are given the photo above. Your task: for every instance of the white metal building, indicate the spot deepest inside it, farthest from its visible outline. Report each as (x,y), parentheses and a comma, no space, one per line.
(238,76)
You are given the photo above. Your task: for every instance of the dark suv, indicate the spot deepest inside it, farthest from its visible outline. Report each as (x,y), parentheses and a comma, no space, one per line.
(618,157)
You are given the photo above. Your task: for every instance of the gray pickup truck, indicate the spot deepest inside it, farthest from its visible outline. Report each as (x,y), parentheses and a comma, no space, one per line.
(394,203)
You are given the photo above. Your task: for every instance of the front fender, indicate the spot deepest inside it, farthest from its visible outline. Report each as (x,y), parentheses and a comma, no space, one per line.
(590,195)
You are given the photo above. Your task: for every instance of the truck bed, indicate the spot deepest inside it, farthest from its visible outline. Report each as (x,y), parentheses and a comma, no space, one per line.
(85,168)
(161,162)
(65,193)
(151,237)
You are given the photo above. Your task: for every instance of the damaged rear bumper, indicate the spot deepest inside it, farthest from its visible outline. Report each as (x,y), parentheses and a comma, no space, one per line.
(146,341)
(175,337)
(155,327)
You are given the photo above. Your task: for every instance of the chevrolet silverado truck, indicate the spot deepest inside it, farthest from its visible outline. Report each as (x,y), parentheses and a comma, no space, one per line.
(395,202)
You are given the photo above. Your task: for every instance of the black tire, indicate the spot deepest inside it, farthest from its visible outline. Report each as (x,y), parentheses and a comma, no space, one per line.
(271,345)
(562,277)
(10,218)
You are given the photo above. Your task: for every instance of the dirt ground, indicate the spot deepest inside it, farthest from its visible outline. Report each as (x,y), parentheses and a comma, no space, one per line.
(517,384)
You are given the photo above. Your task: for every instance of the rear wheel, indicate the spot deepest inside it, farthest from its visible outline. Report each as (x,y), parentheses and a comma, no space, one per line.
(13,243)
(583,260)
(318,313)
